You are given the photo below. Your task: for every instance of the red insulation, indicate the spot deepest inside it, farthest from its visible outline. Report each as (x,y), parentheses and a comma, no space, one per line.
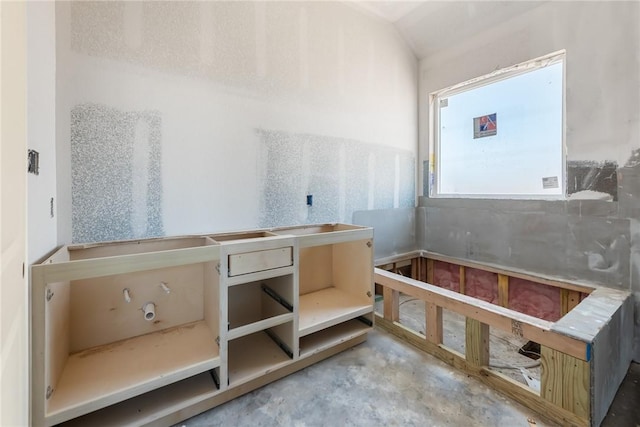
(446,275)
(482,285)
(535,299)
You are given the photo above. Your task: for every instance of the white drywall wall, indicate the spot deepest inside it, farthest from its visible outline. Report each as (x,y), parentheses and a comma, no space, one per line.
(602,40)
(14,332)
(215,73)
(41,128)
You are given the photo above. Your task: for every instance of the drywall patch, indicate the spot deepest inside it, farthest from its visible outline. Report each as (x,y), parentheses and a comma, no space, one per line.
(592,180)
(337,172)
(116,182)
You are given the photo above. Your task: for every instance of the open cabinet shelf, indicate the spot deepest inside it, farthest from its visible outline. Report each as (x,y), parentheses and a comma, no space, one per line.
(151,406)
(252,356)
(332,336)
(327,307)
(100,376)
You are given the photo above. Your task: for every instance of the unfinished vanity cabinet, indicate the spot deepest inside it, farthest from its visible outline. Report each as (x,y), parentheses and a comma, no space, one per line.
(335,283)
(112,321)
(258,279)
(152,332)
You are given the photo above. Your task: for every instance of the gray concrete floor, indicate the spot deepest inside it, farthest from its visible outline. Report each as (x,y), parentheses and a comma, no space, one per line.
(387,382)
(382,382)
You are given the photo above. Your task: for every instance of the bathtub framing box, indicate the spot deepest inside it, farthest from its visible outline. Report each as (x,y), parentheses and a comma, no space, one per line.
(584,355)
(286,297)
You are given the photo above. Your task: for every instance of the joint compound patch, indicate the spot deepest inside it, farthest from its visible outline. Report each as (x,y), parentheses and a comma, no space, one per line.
(116,187)
(342,175)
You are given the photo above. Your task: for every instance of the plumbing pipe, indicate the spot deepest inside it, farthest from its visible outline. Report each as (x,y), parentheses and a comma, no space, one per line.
(149,310)
(165,288)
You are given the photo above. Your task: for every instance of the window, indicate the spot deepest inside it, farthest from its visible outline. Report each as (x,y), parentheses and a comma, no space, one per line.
(501,135)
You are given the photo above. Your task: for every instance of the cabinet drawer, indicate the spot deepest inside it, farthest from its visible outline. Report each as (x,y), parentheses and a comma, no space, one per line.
(251,262)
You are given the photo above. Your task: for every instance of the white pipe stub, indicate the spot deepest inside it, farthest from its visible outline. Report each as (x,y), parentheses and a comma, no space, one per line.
(149,310)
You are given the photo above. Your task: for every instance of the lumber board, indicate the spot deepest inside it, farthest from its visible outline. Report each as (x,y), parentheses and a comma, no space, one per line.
(433,319)
(122,264)
(430,271)
(503,290)
(476,342)
(520,324)
(463,279)
(391,304)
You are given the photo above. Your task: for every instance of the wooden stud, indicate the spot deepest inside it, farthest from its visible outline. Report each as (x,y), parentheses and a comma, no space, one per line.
(477,342)
(415,268)
(503,290)
(569,300)
(429,271)
(434,323)
(391,301)
(463,280)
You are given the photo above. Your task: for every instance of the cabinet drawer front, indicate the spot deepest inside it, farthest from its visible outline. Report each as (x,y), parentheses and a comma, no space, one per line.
(250,262)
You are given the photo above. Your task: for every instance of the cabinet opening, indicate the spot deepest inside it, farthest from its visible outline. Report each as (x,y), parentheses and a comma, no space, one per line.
(256,354)
(111,338)
(335,284)
(334,335)
(259,305)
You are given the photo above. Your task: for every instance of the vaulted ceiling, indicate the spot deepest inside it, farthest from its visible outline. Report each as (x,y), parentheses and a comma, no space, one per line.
(430,26)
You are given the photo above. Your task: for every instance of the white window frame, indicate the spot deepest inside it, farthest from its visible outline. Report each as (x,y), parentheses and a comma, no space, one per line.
(495,76)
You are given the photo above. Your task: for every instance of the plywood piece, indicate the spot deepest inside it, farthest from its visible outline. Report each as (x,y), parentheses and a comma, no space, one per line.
(102,376)
(56,331)
(326,234)
(477,342)
(252,356)
(391,301)
(315,268)
(152,405)
(100,314)
(328,307)
(329,337)
(130,247)
(353,269)
(269,259)
(249,303)
(576,386)
(260,325)
(433,315)
(124,264)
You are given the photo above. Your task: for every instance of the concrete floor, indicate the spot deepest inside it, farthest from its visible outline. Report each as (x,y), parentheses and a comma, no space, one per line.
(382,382)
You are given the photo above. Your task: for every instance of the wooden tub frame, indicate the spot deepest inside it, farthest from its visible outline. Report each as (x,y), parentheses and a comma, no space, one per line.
(583,357)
